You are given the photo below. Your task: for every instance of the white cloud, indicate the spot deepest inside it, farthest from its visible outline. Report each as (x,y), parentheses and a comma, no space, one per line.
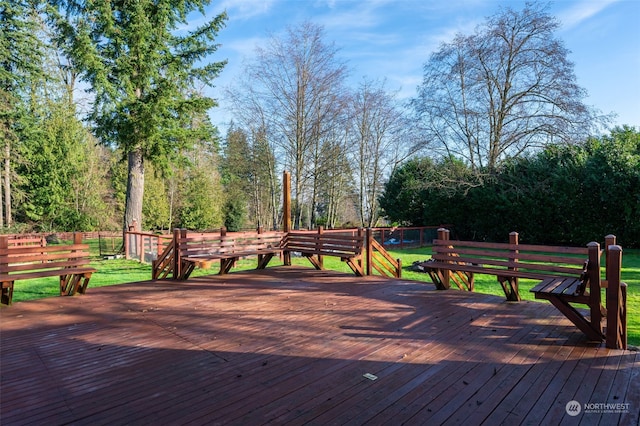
(582,11)
(245,9)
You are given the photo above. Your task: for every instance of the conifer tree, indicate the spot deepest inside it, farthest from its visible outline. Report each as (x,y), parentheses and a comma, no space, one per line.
(145,73)
(20,53)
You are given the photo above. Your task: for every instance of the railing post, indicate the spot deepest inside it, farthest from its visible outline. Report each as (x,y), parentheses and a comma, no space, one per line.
(177,262)
(286,212)
(445,274)
(368,252)
(514,238)
(593,271)
(361,234)
(126,244)
(609,240)
(616,337)
(319,246)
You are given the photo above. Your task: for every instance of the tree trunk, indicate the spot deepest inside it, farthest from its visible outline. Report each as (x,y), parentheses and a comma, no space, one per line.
(135,191)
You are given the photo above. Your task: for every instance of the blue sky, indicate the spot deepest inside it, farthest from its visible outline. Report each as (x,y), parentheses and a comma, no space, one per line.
(392,39)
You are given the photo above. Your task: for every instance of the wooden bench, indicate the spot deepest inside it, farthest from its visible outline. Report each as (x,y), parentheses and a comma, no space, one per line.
(23,262)
(568,275)
(315,244)
(199,249)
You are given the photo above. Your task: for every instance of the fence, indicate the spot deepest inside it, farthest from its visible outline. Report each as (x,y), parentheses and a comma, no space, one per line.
(407,237)
(145,246)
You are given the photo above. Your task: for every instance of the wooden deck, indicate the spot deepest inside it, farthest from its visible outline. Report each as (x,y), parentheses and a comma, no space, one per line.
(294,346)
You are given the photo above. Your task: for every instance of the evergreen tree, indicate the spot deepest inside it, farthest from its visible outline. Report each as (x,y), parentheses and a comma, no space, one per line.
(143,76)
(20,56)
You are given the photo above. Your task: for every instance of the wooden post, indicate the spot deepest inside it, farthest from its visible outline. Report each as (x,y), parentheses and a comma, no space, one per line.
(178,234)
(445,274)
(286,211)
(361,234)
(609,240)
(125,235)
(513,293)
(616,337)
(369,254)
(319,246)
(593,271)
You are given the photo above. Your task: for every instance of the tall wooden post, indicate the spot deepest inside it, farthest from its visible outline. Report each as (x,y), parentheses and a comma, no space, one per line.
(616,337)
(445,274)
(609,240)
(319,246)
(286,211)
(511,288)
(178,234)
(593,269)
(369,252)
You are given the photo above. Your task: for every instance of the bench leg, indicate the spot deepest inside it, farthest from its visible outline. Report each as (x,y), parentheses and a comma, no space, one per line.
(510,288)
(7,293)
(355,266)
(464,280)
(591,330)
(264,259)
(71,284)
(314,262)
(226,265)
(437,278)
(186,270)
(82,288)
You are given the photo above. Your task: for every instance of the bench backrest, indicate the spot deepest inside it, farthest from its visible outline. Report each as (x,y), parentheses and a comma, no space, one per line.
(523,260)
(325,243)
(19,259)
(528,261)
(192,244)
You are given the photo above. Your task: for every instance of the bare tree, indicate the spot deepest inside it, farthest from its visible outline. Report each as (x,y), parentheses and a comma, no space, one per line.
(506,89)
(381,139)
(295,84)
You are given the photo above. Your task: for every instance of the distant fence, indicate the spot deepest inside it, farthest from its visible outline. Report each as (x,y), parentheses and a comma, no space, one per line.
(145,246)
(407,237)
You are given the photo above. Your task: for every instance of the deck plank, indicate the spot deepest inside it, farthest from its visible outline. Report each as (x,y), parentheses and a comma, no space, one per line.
(291,345)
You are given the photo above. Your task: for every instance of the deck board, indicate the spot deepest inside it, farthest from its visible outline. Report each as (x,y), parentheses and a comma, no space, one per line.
(290,345)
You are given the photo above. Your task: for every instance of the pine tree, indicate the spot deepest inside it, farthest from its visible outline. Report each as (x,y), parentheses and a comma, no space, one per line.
(143,73)
(20,53)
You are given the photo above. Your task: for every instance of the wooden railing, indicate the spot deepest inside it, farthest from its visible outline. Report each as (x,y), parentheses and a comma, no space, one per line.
(375,256)
(165,263)
(145,246)
(379,259)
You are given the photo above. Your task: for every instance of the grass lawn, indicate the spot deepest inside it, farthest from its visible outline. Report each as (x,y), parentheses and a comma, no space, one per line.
(119,271)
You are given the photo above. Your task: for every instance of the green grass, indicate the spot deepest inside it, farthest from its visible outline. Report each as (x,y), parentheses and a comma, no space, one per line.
(119,271)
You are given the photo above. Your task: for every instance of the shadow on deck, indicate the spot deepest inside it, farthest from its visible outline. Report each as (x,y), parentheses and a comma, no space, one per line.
(294,346)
